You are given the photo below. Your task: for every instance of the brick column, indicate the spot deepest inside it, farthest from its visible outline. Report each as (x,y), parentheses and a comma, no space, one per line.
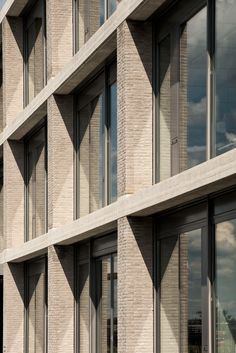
(60,160)
(13,152)
(135,285)
(60,300)
(59,35)
(12,37)
(13,315)
(134,79)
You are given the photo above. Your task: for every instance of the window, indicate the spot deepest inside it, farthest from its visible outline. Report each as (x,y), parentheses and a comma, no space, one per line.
(89,16)
(195,117)
(97,296)
(35,50)
(196,276)
(36,307)
(97,143)
(36,184)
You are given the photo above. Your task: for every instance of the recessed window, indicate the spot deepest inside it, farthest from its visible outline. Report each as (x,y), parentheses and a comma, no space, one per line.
(36,184)
(195,118)
(36,306)
(97,296)
(89,16)
(35,50)
(97,143)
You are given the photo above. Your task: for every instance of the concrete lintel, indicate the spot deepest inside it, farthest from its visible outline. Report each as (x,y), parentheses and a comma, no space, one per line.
(209,177)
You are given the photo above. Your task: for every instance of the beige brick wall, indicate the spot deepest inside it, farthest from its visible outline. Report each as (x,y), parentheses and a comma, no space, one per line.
(135,286)
(134,79)
(13,153)
(59,35)
(13,315)
(60,160)
(60,300)
(12,31)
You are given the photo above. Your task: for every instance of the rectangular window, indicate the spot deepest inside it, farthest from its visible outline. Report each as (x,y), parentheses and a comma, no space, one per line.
(36,184)
(97,144)
(97,296)
(196,276)
(89,16)
(35,50)
(36,306)
(181,126)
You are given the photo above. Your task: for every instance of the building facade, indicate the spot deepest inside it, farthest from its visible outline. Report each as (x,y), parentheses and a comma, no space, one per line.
(118,176)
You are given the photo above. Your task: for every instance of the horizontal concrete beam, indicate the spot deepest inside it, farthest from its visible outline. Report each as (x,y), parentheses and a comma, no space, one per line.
(200,181)
(100,46)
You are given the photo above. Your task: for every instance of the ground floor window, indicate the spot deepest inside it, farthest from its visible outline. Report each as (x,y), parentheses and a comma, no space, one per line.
(96,298)
(36,306)
(196,278)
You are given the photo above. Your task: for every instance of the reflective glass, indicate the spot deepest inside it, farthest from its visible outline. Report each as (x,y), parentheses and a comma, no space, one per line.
(113,144)
(225,260)
(190,287)
(225,72)
(193,83)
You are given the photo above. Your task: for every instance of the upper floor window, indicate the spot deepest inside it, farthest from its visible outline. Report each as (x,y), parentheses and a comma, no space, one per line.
(36,184)
(97,143)
(89,16)
(97,295)
(36,306)
(195,85)
(35,50)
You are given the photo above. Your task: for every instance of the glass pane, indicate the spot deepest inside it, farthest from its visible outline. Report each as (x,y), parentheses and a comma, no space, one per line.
(83,301)
(226,287)
(113,144)
(111,7)
(193,75)
(225,52)
(91,156)
(36,189)
(35,51)
(115,307)
(190,292)
(36,313)
(164,123)
(169,296)
(103,276)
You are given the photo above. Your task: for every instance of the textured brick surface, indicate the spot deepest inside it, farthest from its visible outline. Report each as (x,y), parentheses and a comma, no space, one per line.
(13,289)
(60,160)
(12,30)
(135,285)
(59,35)
(13,193)
(134,79)
(60,300)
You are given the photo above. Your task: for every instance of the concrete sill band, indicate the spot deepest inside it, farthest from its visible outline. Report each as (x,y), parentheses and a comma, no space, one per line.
(200,181)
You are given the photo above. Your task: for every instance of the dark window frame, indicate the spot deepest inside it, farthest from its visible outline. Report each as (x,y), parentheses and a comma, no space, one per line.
(26,141)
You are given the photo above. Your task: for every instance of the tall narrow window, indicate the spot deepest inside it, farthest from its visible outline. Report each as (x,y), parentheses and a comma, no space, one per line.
(97,144)
(193,75)
(36,184)
(36,307)
(225,260)
(106,301)
(225,71)
(97,296)
(89,16)
(35,39)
